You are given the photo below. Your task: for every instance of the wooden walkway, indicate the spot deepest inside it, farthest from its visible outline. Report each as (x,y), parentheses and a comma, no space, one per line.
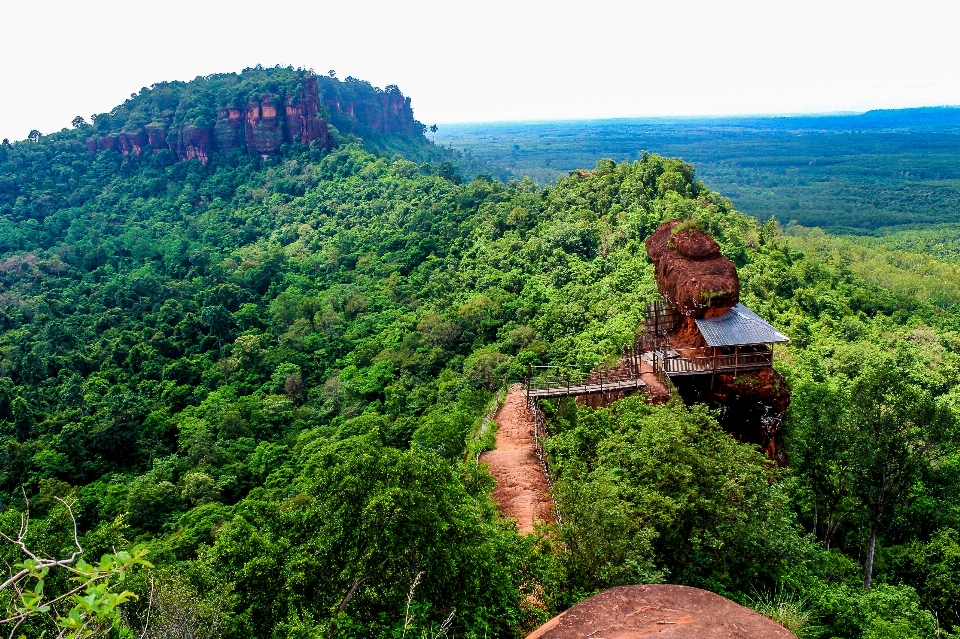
(695,363)
(561,390)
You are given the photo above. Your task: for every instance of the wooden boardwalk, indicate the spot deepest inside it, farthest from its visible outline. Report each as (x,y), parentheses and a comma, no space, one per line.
(567,390)
(696,362)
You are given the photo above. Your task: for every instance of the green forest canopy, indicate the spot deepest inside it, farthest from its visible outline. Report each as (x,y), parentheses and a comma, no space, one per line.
(855,173)
(268,374)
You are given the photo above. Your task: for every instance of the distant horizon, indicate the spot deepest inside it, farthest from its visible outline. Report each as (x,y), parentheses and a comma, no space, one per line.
(496,60)
(810,114)
(653,119)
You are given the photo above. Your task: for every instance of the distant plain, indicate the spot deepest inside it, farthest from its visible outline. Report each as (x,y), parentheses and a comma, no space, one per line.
(864,174)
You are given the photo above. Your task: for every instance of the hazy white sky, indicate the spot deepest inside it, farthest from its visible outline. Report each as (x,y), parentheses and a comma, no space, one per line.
(491,59)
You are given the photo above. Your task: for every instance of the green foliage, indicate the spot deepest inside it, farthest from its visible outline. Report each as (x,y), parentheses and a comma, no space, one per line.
(87,605)
(365,520)
(663,493)
(854,173)
(787,609)
(270,373)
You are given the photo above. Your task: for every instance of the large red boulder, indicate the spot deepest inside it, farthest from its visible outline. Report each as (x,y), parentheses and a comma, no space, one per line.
(691,273)
(662,611)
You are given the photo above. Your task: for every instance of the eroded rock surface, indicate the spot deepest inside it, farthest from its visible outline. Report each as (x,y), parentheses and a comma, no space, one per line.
(260,128)
(691,273)
(663,611)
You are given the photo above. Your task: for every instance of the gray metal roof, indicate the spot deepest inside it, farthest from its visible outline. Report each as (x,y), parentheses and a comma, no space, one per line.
(739,326)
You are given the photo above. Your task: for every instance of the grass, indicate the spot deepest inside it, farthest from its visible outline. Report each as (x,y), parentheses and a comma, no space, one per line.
(787,609)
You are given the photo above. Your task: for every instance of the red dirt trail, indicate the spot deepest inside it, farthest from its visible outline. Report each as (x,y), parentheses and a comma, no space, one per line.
(521,490)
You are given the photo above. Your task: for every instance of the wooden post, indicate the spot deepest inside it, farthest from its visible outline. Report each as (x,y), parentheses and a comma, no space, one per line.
(736,360)
(714,375)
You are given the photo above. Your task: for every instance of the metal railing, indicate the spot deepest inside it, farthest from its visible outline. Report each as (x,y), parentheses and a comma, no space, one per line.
(703,360)
(548,378)
(539,436)
(660,317)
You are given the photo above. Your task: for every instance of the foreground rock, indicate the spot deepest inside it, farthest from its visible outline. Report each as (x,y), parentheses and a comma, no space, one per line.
(662,611)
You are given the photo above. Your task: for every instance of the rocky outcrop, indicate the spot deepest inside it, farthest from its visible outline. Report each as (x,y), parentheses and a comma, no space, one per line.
(260,128)
(691,273)
(752,408)
(699,282)
(355,106)
(663,611)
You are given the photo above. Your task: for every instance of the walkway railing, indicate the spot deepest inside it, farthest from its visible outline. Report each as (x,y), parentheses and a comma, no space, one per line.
(539,436)
(703,360)
(659,317)
(554,381)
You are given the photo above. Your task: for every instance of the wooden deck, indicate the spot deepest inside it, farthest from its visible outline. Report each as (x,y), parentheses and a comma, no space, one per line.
(702,361)
(641,369)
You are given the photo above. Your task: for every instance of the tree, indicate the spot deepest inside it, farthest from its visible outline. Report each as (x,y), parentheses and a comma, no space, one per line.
(78,121)
(92,614)
(332,73)
(366,520)
(34,136)
(895,427)
(667,491)
(433,129)
(819,438)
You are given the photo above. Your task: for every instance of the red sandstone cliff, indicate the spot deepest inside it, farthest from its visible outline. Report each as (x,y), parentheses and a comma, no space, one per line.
(699,282)
(259,128)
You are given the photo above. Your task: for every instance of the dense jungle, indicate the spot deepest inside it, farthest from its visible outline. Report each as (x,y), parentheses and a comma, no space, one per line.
(253,380)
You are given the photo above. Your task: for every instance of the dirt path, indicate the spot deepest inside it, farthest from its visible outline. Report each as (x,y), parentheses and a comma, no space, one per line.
(521,489)
(658,392)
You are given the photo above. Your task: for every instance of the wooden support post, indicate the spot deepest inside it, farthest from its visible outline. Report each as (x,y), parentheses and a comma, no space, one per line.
(736,360)
(714,375)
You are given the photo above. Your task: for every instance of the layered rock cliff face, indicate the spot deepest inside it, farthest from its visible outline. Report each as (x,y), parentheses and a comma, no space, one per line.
(260,128)
(387,112)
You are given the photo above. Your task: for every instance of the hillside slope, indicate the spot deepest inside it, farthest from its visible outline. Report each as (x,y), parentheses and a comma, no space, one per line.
(269,371)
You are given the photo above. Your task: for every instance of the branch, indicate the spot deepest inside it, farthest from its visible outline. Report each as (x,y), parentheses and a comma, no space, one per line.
(146,624)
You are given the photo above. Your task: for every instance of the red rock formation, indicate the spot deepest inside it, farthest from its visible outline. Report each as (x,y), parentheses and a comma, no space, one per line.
(194,143)
(390,113)
(760,398)
(261,128)
(699,282)
(132,142)
(691,273)
(228,132)
(303,121)
(660,610)
(156,137)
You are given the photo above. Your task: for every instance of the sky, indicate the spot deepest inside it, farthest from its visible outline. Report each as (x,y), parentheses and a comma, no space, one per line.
(493,60)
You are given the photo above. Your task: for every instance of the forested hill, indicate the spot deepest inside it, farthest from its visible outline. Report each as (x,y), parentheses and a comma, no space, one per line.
(272,372)
(256,111)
